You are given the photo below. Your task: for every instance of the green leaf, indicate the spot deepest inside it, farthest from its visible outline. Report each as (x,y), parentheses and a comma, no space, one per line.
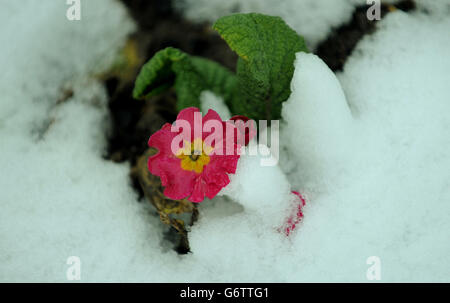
(189,75)
(266,46)
(157,75)
(217,78)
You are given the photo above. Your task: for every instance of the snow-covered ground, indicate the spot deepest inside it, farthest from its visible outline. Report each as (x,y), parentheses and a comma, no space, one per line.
(369,146)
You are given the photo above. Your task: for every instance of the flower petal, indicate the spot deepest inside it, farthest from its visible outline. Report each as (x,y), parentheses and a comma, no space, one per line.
(178,182)
(248,133)
(161,140)
(187,115)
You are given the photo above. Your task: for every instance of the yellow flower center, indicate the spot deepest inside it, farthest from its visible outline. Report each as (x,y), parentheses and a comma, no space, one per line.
(194,156)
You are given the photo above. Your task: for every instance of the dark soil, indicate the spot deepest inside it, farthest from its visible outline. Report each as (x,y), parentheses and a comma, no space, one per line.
(159,26)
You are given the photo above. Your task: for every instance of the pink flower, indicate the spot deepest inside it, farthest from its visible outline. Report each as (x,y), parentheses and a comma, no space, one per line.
(248,133)
(197,169)
(293,220)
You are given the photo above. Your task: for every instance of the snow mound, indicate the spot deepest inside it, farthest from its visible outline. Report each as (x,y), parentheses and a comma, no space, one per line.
(391,198)
(262,190)
(319,126)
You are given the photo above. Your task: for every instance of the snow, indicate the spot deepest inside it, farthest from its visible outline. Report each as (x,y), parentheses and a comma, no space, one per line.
(262,190)
(208,100)
(369,147)
(59,197)
(319,128)
(391,199)
(436,7)
(404,118)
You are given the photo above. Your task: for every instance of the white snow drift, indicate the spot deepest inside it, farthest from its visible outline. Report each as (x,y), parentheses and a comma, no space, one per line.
(371,151)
